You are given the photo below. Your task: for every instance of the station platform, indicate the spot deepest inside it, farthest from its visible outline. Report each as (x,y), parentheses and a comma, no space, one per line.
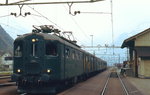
(94,86)
(141,84)
(91,86)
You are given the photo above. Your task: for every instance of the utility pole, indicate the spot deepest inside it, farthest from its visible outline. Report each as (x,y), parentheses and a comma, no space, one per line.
(112,25)
(6,1)
(91,40)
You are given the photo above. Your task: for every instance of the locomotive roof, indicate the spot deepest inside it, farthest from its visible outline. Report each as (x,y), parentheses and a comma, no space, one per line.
(55,37)
(47,36)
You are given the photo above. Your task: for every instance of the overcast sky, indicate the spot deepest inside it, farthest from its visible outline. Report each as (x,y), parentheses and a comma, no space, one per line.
(129,17)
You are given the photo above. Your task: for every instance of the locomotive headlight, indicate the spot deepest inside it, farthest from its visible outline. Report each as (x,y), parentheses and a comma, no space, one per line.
(18,70)
(33,40)
(48,71)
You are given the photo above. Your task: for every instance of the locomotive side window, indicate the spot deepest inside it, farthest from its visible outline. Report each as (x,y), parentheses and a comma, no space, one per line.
(86,59)
(73,54)
(67,52)
(80,57)
(77,55)
(18,49)
(51,49)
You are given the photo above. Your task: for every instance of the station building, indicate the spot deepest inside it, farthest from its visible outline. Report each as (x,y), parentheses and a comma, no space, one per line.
(139,53)
(6,61)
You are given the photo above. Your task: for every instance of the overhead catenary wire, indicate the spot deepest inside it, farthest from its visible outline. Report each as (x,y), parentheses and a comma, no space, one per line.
(5,16)
(13,31)
(12,27)
(79,27)
(7,22)
(41,15)
(41,3)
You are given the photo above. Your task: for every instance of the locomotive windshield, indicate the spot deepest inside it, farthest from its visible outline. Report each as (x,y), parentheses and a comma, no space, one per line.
(51,49)
(18,49)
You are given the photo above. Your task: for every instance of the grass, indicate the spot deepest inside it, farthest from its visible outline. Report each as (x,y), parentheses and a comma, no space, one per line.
(5,72)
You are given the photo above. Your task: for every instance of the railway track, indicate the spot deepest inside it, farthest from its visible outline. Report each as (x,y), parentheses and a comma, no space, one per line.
(7,84)
(5,80)
(96,85)
(5,77)
(114,86)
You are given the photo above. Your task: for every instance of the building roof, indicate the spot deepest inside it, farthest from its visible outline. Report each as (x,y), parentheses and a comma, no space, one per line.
(129,42)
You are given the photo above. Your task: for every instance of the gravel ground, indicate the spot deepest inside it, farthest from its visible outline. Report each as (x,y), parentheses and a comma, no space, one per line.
(141,84)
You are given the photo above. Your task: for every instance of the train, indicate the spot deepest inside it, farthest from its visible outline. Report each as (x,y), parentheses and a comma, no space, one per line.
(43,61)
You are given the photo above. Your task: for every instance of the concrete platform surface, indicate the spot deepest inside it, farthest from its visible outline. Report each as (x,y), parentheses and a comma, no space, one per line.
(141,84)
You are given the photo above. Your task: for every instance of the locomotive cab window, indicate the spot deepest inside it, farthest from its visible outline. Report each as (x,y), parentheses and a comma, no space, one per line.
(51,49)
(18,49)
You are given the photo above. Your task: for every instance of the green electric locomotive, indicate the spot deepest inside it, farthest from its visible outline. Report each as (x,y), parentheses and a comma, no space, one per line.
(44,61)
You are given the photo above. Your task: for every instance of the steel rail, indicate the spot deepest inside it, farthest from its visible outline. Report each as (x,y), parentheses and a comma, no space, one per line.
(123,85)
(105,86)
(5,77)
(23,94)
(8,84)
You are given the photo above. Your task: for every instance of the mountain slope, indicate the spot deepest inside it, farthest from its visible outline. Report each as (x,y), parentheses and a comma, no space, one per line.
(6,41)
